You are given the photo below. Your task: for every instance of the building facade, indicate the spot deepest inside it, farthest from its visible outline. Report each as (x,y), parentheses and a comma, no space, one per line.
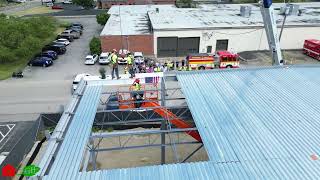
(175,32)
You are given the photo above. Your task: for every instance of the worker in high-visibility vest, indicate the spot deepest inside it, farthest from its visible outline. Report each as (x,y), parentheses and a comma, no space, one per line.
(130,65)
(157,69)
(138,94)
(114,62)
(184,68)
(180,68)
(189,68)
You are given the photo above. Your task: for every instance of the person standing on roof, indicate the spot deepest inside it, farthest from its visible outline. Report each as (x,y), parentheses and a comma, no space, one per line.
(138,94)
(114,61)
(130,67)
(157,68)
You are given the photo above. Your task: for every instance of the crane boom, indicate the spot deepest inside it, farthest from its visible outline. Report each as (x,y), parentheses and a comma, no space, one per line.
(270,26)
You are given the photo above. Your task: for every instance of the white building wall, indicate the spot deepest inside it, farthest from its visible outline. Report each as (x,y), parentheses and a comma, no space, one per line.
(244,39)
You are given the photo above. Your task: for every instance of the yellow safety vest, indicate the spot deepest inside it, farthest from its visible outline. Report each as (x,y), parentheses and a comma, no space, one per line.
(180,68)
(184,68)
(137,86)
(114,58)
(158,69)
(129,59)
(189,69)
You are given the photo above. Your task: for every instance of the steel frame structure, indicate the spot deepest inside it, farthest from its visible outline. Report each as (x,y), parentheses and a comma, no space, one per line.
(91,150)
(165,126)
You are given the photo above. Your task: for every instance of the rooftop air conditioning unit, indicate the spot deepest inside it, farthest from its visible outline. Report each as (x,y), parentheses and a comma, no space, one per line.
(245,11)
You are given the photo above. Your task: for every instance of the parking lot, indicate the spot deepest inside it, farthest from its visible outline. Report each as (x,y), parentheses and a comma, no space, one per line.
(46,89)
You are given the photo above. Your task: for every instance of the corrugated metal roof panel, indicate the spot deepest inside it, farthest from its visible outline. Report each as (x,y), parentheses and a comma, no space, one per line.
(254,123)
(68,159)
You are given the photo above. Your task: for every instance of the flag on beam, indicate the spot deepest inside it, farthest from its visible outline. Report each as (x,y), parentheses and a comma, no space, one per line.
(154,80)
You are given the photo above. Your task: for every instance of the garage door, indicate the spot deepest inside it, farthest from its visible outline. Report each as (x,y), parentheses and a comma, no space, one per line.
(188,45)
(174,46)
(167,46)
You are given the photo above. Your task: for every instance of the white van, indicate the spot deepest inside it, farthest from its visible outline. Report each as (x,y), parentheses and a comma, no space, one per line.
(77,79)
(104,58)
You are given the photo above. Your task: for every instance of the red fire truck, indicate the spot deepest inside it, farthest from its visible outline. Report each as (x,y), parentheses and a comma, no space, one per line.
(311,47)
(222,59)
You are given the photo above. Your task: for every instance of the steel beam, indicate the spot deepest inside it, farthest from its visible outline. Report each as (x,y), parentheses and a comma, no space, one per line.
(193,152)
(143,109)
(142,146)
(142,132)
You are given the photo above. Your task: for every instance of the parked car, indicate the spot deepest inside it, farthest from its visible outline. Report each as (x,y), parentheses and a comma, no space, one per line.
(75,28)
(91,59)
(77,79)
(67,2)
(76,35)
(49,54)
(55,6)
(68,37)
(49,4)
(138,58)
(40,61)
(104,58)
(58,48)
(122,58)
(62,41)
(77,24)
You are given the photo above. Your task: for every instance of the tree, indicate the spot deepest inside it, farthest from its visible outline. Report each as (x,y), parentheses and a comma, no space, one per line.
(102,18)
(84,3)
(95,46)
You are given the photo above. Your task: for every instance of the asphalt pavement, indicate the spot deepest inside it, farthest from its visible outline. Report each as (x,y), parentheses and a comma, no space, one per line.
(46,90)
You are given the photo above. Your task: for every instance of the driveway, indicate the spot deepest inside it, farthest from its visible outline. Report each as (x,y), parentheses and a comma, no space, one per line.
(48,89)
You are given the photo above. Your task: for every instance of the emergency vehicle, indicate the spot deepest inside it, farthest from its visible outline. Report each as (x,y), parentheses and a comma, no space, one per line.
(222,59)
(311,47)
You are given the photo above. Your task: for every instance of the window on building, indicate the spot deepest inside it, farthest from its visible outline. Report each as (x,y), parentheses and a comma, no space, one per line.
(209,49)
(222,44)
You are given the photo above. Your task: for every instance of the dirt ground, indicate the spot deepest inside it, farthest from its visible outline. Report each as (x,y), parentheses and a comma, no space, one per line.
(146,156)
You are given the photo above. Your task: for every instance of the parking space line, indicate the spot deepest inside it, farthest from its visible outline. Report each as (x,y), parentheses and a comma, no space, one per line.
(4,135)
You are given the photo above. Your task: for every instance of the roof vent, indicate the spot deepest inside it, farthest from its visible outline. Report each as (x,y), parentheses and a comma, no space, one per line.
(245,11)
(157,10)
(290,9)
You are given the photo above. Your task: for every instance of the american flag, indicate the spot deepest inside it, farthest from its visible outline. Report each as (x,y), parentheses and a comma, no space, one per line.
(154,80)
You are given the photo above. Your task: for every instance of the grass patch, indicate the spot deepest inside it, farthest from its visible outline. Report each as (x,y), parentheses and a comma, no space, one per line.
(36,10)
(7,69)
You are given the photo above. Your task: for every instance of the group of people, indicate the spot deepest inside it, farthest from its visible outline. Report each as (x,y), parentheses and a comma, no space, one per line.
(147,67)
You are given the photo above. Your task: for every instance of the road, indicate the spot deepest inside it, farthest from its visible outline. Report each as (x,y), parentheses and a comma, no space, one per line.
(20,7)
(47,89)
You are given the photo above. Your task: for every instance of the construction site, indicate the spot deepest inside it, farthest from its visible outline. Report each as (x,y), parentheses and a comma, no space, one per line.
(221,116)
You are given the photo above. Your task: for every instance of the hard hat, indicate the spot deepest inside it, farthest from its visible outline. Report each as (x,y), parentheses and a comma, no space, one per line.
(137,81)
(114,50)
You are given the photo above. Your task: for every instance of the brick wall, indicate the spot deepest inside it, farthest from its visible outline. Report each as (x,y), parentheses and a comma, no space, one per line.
(141,43)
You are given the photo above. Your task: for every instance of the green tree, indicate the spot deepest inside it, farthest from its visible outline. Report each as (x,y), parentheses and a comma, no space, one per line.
(102,18)
(84,3)
(95,46)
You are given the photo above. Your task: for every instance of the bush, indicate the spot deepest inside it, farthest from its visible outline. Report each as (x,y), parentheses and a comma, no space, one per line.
(21,38)
(102,18)
(102,72)
(84,3)
(95,46)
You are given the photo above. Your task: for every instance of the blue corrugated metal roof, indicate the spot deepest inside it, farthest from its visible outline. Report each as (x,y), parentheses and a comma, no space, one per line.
(68,159)
(254,123)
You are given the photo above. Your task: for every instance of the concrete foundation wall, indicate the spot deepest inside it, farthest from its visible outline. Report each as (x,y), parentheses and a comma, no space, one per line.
(244,39)
(143,43)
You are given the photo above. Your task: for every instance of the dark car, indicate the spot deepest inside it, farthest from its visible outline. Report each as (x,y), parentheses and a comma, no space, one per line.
(63,36)
(40,61)
(58,48)
(75,29)
(50,54)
